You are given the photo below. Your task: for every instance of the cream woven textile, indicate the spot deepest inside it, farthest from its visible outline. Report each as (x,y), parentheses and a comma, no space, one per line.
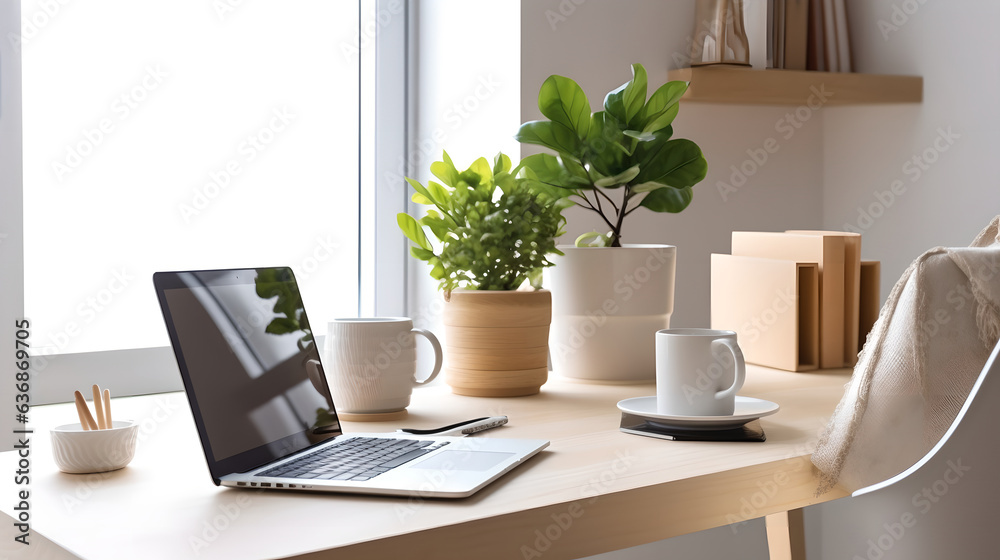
(932,338)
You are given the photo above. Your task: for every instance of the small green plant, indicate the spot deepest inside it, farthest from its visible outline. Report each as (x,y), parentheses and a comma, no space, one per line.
(495,229)
(618,160)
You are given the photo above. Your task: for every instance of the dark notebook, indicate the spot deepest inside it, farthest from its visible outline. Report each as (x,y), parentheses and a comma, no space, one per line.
(640,426)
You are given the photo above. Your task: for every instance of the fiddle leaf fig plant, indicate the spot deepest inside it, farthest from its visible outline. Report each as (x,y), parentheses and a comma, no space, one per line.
(618,160)
(494,230)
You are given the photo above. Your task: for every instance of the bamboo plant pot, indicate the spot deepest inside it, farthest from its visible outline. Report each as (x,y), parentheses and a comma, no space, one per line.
(497,342)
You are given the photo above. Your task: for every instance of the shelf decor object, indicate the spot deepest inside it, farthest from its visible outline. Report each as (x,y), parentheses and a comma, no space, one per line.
(495,233)
(719,34)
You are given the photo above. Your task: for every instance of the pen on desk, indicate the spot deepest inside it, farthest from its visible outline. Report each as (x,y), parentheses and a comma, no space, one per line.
(461,428)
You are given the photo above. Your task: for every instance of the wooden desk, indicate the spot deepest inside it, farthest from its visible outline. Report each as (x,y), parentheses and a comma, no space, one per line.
(593,490)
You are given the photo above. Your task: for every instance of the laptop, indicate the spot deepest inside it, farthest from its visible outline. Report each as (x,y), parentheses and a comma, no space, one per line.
(263,408)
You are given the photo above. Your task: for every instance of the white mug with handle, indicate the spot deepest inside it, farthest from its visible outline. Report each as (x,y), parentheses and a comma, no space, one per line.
(371,363)
(698,372)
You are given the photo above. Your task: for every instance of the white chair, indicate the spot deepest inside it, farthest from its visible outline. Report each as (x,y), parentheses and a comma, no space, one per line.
(945,506)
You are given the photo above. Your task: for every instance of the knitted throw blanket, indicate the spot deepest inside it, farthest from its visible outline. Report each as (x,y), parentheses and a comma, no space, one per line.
(919,363)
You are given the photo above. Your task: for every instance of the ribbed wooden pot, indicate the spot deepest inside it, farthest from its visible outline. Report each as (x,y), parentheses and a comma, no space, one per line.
(497,343)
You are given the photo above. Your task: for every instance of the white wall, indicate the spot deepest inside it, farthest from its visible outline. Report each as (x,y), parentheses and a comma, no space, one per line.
(595,43)
(11,248)
(954,46)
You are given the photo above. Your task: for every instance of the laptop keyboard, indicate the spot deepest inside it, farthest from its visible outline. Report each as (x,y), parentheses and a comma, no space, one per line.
(357,459)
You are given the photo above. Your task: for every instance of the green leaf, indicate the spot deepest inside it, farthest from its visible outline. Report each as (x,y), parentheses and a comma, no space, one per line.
(668,200)
(438,193)
(614,105)
(422,254)
(648,186)
(421,199)
(641,136)
(618,180)
(501,164)
(552,135)
(282,325)
(662,99)
(594,239)
(634,96)
(663,120)
(678,163)
(446,171)
(563,101)
(412,230)
(481,168)
(420,190)
(604,145)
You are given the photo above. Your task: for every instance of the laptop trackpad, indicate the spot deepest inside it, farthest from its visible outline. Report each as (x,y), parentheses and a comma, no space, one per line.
(464,460)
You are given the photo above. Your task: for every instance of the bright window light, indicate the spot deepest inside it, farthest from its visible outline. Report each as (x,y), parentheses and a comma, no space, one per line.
(184,135)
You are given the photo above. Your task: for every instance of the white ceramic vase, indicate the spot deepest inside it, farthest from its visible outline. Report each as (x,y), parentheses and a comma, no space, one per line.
(607,304)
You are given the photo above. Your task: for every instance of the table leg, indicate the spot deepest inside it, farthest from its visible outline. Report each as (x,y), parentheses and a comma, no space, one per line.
(786,539)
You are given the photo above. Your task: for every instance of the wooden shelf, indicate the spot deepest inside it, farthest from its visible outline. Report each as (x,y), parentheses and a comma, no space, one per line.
(746,86)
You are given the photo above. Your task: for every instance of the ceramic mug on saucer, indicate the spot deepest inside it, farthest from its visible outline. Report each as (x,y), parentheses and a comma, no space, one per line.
(371,363)
(698,372)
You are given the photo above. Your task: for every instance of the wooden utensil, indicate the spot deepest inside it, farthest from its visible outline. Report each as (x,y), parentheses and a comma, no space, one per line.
(107,408)
(86,420)
(99,408)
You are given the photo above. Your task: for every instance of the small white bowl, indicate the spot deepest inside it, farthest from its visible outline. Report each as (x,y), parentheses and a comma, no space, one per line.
(80,451)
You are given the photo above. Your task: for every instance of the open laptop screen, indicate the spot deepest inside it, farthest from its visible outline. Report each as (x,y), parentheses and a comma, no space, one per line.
(249,362)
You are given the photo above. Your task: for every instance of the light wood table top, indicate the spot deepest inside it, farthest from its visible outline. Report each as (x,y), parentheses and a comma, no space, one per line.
(593,490)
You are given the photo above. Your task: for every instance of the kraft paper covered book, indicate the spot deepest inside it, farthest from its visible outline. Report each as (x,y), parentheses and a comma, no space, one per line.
(828,251)
(852,291)
(773,305)
(871,298)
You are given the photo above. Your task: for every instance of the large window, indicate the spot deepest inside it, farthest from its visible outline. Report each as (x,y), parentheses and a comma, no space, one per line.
(180,135)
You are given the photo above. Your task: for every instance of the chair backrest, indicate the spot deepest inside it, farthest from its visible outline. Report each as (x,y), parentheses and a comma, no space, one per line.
(944,506)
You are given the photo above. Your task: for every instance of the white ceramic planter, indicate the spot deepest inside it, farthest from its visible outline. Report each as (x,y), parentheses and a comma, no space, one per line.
(607,304)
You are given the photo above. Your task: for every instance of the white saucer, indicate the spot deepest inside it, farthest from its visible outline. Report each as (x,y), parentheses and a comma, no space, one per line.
(747,409)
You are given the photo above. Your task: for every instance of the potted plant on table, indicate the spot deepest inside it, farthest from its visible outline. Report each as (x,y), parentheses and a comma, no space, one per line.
(610,297)
(495,233)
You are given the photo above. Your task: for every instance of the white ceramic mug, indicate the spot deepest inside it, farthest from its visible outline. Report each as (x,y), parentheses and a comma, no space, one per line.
(698,372)
(371,363)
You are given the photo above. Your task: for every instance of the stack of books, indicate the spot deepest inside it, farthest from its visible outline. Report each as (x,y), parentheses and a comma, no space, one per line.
(808,35)
(798,300)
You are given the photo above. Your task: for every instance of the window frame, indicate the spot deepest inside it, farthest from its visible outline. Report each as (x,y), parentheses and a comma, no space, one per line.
(383,46)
